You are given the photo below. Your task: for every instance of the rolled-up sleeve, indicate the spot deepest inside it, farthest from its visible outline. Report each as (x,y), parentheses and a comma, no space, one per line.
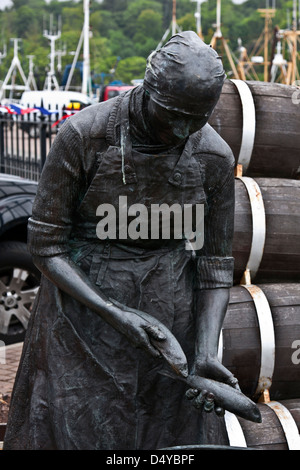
(213,272)
(215,263)
(58,194)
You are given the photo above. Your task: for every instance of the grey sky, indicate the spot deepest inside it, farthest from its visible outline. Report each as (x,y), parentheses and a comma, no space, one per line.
(4,4)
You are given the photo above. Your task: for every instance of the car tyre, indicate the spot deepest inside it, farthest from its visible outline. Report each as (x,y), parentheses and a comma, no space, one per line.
(19,283)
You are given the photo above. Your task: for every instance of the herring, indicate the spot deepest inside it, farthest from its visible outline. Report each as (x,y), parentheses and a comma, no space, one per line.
(225,396)
(169,347)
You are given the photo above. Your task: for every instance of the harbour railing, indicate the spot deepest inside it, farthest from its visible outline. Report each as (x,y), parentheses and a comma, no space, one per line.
(25,140)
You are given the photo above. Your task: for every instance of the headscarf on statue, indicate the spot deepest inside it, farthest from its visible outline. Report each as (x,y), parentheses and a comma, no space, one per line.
(185,75)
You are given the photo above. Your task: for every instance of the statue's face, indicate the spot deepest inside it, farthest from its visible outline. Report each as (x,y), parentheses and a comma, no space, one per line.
(170,127)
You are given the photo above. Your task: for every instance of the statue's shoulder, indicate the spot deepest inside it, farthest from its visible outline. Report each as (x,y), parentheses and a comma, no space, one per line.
(92,121)
(212,143)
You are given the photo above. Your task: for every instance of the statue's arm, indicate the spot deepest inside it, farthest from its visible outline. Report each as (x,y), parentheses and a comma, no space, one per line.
(67,276)
(214,278)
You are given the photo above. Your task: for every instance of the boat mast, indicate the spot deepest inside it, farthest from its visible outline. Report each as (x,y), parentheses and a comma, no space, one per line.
(15,65)
(218,36)
(174,18)
(198,17)
(247,62)
(51,79)
(268,14)
(293,41)
(290,37)
(86,72)
(84,39)
(3,54)
(173,26)
(31,80)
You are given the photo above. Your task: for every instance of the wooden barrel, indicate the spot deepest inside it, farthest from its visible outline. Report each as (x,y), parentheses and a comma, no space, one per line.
(260,122)
(279,429)
(260,340)
(267,229)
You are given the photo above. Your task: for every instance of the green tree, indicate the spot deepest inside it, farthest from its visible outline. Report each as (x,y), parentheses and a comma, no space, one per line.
(133,12)
(115,5)
(72,18)
(71,39)
(101,56)
(143,48)
(187,22)
(19,3)
(25,21)
(149,24)
(130,68)
(102,22)
(120,44)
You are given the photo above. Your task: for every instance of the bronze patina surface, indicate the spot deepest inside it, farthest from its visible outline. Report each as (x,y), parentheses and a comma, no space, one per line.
(111,314)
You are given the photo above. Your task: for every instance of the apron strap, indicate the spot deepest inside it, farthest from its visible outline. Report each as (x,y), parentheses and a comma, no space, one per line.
(128,170)
(178,177)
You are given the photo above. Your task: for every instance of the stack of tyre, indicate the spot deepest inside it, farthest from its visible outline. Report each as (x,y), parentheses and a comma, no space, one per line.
(19,278)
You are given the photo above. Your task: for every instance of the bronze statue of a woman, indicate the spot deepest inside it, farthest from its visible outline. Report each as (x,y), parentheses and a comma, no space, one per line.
(89,377)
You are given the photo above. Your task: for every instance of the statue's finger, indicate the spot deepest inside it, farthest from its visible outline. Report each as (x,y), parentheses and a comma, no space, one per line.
(200,399)
(191,393)
(146,344)
(209,402)
(233,382)
(155,332)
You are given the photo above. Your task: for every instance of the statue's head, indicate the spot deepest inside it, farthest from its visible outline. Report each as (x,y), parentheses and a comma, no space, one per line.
(183,82)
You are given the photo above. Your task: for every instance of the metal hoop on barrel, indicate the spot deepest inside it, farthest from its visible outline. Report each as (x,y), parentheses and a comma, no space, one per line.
(249,122)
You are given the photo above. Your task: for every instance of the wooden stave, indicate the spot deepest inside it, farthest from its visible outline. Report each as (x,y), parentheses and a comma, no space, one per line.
(281,252)
(276,151)
(241,340)
(269,434)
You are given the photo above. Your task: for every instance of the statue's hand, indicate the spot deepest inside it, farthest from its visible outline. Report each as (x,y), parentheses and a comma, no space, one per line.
(138,331)
(210,368)
(204,400)
(145,331)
